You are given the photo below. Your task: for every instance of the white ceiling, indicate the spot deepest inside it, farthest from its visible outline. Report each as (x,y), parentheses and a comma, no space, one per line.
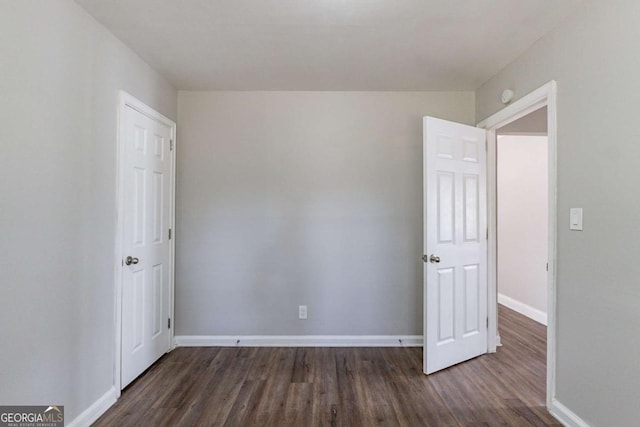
(329,44)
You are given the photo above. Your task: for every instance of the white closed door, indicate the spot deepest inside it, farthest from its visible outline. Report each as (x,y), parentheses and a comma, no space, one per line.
(146,265)
(455,243)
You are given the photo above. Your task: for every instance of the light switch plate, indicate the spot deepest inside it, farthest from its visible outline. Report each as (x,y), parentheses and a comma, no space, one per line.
(575,219)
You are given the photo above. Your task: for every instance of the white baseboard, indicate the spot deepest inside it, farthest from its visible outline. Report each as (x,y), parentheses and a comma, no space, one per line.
(565,415)
(524,309)
(299,341)
(93,412)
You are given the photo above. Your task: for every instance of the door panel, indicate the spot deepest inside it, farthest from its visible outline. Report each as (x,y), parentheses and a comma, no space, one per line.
(470,188)
(146,216)
(446,207)
(471,299)
(455,285)
(446,300)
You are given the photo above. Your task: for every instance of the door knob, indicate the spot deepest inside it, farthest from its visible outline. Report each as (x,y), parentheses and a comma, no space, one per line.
(432,258)
(131,260)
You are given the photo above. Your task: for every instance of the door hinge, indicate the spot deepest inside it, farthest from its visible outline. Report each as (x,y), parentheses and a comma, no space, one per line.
(171,145)
(487,323)
(487,234)
(169,323)
(547,266)
(169,234)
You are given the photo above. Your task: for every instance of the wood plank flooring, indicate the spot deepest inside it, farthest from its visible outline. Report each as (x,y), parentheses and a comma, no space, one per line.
(342,386)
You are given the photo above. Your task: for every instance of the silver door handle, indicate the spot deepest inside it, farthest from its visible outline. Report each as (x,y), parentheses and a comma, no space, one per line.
(131,260)
(433,259)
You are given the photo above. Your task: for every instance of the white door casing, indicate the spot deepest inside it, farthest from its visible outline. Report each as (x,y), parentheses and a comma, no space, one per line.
(455,227)
(146,217)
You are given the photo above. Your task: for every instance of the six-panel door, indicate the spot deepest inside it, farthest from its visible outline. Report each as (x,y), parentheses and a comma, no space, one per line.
(146,219)
(455,223)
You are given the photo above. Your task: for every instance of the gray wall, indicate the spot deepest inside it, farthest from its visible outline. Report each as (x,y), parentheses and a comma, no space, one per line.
(288,198)
(595,57)
(532,123)
(60,75)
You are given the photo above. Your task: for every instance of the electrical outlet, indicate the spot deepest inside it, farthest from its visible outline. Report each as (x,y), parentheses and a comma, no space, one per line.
(302,312)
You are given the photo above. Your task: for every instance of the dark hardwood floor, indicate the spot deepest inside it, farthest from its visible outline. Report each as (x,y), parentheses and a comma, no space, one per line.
(342,386)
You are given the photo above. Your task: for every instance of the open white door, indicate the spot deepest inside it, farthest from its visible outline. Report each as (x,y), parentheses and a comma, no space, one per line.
(147,171)
(455,243)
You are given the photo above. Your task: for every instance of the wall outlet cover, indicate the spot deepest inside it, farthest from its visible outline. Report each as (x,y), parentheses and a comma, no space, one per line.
(302,312)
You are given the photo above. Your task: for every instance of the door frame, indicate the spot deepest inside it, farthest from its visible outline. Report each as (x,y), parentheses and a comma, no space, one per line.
(126,100)
(543,96)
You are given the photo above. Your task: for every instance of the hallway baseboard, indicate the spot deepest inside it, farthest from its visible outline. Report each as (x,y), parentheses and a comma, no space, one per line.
(524,309)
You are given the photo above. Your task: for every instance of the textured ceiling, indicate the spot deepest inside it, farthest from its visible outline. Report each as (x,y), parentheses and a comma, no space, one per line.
(329,44)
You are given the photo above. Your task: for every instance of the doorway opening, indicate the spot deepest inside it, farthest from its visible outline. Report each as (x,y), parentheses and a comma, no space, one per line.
(522,236)
(522,215)
(515,131)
